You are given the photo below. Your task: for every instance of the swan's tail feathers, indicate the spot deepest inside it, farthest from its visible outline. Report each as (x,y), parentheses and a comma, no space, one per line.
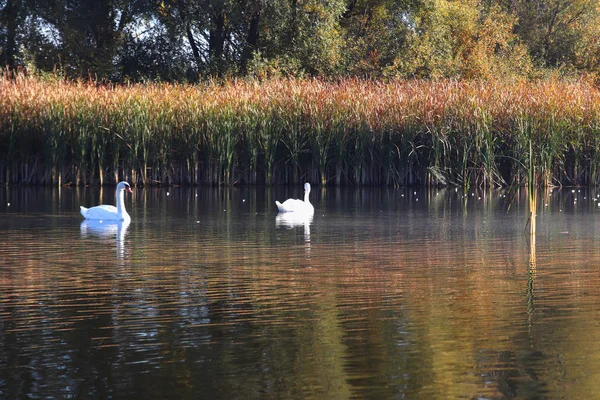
(279,206)
(83,210)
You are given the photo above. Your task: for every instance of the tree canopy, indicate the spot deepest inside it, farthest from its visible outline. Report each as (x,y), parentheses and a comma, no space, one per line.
(189,40)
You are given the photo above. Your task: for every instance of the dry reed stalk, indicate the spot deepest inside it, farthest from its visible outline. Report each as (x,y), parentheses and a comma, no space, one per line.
(284,130)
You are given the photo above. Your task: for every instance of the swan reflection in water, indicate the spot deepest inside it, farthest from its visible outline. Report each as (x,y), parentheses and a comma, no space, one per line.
(107,230)
(295,220)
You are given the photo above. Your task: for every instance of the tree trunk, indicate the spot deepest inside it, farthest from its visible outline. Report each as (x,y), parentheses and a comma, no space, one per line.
(194,48)
(11,16)
(216,40)
(251,39)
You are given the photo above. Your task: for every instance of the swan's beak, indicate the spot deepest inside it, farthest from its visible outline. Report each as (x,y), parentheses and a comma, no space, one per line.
(128,189)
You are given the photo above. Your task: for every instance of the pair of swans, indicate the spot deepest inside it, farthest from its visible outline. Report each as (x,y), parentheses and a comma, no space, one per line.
(119,213)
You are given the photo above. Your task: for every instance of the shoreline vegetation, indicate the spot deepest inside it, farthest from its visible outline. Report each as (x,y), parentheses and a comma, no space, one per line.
(286,131)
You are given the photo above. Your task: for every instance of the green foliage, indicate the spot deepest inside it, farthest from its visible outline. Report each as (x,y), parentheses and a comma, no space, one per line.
(462,38)
(192,40)
(301,37)
(555,30)
(375,34)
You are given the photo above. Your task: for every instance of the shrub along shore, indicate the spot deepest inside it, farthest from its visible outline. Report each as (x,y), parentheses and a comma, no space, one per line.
(284,131)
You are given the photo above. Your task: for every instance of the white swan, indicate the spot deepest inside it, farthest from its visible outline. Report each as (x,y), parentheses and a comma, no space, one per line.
(110,213)
(297,206)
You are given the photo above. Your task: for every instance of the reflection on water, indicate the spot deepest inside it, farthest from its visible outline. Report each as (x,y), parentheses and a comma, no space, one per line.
(295,220)
(114,231)
(384,294)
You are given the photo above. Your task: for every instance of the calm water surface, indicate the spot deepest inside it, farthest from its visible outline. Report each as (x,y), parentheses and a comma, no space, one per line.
(207,293)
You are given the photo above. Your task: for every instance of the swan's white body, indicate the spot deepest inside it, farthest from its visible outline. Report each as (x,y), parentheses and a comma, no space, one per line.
(110,213)
(297,206)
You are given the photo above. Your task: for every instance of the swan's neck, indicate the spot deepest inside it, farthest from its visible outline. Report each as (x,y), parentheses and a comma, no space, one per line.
(121,203)
(306,192)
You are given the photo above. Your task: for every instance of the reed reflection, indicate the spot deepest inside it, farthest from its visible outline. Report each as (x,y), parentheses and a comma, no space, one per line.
(107,230)
(531,272)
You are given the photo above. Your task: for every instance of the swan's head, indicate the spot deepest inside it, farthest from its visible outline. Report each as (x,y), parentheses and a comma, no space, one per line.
(124,186)
(307,187)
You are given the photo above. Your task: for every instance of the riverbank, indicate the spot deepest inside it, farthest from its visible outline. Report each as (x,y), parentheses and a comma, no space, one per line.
(353,132)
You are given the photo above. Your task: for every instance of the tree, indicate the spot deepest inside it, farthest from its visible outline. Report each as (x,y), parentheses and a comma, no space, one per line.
(463,39)
(186,40)
(554,30)
(156,56)
(88,34)
(375,33)
(12,17)
(220,34)
(234,36)
(301,37)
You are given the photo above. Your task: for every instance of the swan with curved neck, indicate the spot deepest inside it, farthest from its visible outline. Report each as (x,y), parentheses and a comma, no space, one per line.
(107,212)
(297,206)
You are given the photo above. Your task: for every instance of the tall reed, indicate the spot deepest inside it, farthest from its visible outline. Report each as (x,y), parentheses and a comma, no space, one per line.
(351,132)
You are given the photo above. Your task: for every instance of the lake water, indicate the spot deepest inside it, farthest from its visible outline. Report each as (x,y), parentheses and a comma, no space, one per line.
(385,293)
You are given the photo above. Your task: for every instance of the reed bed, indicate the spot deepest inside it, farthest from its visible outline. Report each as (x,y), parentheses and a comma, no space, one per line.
(351,132)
